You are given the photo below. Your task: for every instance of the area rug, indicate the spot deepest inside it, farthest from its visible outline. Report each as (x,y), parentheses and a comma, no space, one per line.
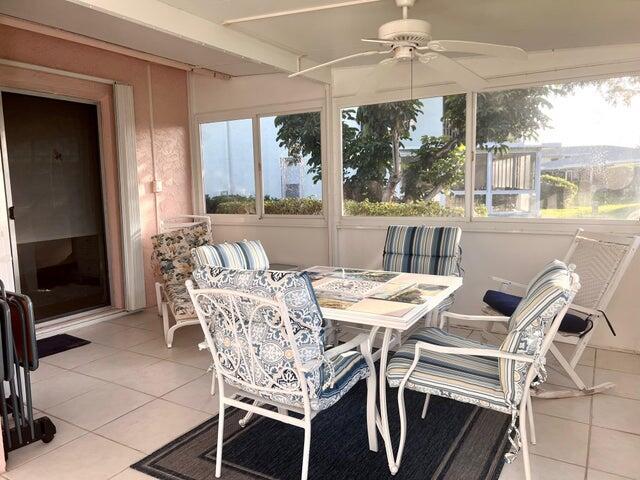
(455,441)
(59,343)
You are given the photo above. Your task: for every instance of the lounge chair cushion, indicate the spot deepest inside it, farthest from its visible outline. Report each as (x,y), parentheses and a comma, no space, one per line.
(470,379)
(246,255)
(506,304)
(179,301)
(171,257)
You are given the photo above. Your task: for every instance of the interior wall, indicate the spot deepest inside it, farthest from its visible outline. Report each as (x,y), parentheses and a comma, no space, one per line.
(161,119)
(286,240)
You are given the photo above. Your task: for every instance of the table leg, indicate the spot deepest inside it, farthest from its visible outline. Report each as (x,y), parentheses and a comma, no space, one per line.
(384,418)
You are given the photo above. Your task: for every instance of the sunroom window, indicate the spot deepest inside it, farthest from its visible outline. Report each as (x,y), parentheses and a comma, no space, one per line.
(405,158)
(560,151)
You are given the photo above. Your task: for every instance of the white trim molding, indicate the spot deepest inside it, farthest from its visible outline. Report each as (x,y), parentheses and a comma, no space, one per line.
(133,265)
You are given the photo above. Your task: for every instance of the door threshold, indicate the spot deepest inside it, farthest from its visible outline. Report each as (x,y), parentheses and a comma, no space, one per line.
(79,320)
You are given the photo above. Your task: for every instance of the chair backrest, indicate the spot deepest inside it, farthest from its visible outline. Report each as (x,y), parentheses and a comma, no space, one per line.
(601,261)
(423,249)
(535,322)
(183,221)
(246,255)
(171,256)
(237,310)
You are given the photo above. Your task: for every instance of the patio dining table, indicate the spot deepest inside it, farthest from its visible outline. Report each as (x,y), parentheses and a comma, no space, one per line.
(384,302)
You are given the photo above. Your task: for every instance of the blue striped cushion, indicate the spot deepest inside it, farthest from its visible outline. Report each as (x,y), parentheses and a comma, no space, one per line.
(244,255)
(467,378)
(546,295)
(423,249)
(344,371)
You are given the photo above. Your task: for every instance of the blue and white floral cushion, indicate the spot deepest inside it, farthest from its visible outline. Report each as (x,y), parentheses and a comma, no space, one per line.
(327,380)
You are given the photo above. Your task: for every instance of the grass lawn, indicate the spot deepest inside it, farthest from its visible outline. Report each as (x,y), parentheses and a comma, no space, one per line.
(616,211)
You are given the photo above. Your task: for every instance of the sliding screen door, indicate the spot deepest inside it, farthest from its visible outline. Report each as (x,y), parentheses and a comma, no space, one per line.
(54,176)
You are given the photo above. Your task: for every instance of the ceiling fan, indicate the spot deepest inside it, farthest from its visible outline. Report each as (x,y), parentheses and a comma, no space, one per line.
(409,39)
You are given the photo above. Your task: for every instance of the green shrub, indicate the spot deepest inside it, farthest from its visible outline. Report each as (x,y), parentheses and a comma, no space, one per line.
(562,189)
(393,209)
(293,206)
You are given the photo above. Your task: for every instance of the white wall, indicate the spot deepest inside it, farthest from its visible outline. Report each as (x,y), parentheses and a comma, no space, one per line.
(513,250)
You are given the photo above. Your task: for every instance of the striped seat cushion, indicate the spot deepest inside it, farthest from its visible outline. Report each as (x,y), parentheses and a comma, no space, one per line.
(339,375)
(423,249)
(466,378)
(244,255)
(546,295)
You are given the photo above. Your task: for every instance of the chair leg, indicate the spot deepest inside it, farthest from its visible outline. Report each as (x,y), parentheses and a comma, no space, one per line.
(159,298)
(220,438)
(306,451)
(214,380)
(403,424)
(426,405)
(372,431)
(165,324)
(532,427)
(522,425)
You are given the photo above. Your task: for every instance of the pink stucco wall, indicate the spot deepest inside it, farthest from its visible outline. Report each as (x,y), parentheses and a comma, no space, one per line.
(161,114)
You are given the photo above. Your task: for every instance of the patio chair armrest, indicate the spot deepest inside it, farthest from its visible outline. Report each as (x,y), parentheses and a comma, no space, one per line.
(478,352)
(360,340)
(504,283)
(478,318)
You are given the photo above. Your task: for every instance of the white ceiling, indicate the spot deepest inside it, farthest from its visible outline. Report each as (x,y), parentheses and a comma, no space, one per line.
(531,24)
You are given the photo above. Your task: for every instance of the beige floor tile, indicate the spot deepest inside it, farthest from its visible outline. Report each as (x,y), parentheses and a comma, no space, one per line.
(147,320)
(615,452)
(152,425)
(131,474)
(61,388)
(100,406)
(542,469)
(627,384)
(577,409)
(180,353)
(597,475)
(561,439)
(88,457)
(617,413)
(65,432)
(79,356)
(588,356)
(559,378)
(45,371)
(621,362)
(196,394)
(116,336)
(114,366)
(159,378)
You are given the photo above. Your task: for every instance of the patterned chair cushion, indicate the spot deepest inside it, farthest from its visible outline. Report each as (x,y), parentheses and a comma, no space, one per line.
(466,378)
(179,301)
(171,259)
(246,255)
(339,375)
(422,249)
(328,380)
(546,295)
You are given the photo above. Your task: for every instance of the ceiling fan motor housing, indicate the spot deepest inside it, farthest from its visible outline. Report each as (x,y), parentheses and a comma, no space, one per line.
(408,30)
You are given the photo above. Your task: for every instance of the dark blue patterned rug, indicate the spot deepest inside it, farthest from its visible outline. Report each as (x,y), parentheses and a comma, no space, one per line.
(456,441)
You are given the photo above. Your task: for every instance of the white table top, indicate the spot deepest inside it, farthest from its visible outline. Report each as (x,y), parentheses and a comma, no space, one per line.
(345,295)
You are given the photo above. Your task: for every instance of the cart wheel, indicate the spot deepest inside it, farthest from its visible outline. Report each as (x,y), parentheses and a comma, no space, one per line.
(49,430)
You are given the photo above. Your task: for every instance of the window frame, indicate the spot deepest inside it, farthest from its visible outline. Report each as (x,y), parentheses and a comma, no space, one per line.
(511,82)
(255,115)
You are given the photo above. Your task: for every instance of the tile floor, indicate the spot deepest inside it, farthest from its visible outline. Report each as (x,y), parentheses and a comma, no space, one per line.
(126,394)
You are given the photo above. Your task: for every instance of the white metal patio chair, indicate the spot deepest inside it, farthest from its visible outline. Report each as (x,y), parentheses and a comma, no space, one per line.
(601,261)
(172,264)
(269,345)
(499,378)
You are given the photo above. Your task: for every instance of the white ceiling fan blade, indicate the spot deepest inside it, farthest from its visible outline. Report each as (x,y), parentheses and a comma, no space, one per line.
(479,48)
(377,76)
(337,60)
(378,40)
(454,71)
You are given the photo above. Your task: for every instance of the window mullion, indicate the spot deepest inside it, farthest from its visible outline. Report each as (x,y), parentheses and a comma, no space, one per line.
(470,153)
(257,165)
